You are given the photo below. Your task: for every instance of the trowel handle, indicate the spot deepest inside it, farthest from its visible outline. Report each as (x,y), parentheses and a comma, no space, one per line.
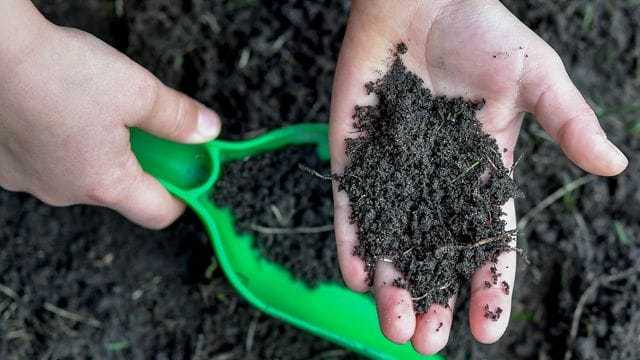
(180,167)
(190,171)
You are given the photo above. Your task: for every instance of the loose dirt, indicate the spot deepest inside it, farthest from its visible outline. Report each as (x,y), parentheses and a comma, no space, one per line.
(426,186)
(285,210)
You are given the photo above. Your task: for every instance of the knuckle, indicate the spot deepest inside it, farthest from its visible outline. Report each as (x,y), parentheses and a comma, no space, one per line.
(147,91)
(100,192)
(178,117)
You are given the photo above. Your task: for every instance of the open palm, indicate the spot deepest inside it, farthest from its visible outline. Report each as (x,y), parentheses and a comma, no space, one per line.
(477,50)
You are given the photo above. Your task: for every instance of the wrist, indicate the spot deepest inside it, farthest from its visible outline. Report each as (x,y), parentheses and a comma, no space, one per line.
(400,6)
(392,19)
(22,28)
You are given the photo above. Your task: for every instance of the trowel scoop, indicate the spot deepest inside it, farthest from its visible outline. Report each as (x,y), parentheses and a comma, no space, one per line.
(330,310)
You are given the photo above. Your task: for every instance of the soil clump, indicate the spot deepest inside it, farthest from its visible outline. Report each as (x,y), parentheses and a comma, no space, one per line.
(426,186)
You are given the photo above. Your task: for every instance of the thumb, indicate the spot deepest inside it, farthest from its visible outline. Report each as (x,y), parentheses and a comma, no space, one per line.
(550,94)
(175,116)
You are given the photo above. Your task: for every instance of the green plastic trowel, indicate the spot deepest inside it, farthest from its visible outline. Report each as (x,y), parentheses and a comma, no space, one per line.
(330,310)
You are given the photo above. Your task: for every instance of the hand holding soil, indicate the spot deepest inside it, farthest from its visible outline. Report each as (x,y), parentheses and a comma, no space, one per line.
(476,51)
(67,101)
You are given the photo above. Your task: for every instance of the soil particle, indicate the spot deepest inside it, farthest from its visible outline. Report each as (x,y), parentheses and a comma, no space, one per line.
(286,210)
(495,275)
(493,315)
(423,188)
(505,287)
(401,48)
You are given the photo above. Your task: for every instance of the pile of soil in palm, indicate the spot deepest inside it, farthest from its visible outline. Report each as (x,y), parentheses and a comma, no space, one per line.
(285,209)
(426,186)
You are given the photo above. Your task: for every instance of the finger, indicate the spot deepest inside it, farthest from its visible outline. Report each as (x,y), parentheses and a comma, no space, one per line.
(550,94)
(351,265)
(356,67)
(175,116)
(491,291)
(395,306)
(145,201)
(433,328)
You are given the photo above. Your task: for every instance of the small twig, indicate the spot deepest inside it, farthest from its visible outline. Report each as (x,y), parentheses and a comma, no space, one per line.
(314,173)
(331,354)
(251,334)
(291,231)
(522,253)
(199,346)
(17,334)
(277,214)
(3,306)
(515,164)
(553,197)
(9,292)
(577,313)
(444,286)
(8,312)
(71,316)
(244,58)
(407,251)
(475,244)
(427,293)
(491,162)
(280,40)
(226,356)
(420,297)
(466,171)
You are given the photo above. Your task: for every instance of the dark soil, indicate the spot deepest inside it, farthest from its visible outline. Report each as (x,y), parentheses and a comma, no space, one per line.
(131,292)
(422,160)
(91,261)
(260,64)
(161,294)
(285,210)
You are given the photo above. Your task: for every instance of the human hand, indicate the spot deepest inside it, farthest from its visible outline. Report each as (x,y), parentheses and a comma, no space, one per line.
(477,50)
(66,102)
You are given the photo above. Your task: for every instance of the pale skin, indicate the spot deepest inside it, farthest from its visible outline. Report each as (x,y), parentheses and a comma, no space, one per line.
(67,100)
(477,50)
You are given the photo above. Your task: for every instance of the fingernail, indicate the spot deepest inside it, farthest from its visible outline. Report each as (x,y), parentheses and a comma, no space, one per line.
(618,161)
(208,124)
(615,148)
(609,156)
